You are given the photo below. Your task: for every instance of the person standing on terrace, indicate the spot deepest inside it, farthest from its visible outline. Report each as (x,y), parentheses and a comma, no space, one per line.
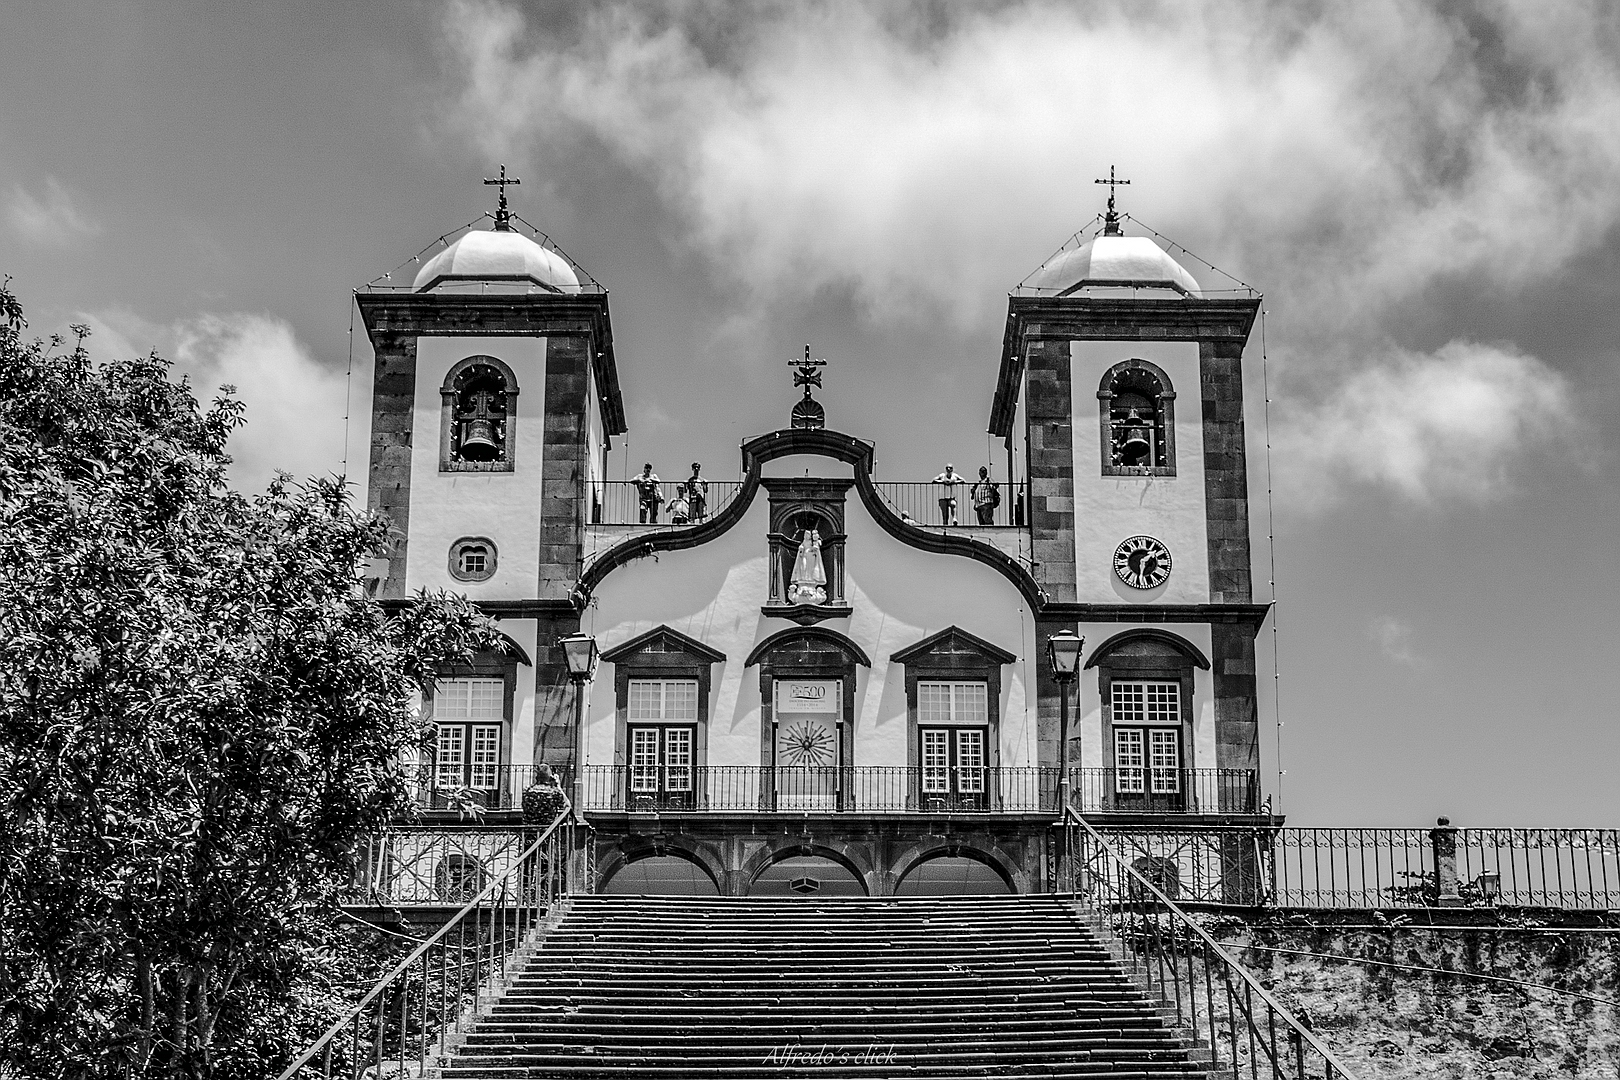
(951,480)
(697,493)
(986,497)
(648,494)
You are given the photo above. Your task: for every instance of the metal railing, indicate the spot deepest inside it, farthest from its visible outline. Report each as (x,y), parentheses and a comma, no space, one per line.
(618,502)
(408,1020)
(472,788)
(434,866)
(919,501)
(1365,868)
(1227,1011)
(1255,866)
(876,789)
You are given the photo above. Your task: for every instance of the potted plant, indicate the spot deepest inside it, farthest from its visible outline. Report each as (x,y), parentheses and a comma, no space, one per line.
(543,800)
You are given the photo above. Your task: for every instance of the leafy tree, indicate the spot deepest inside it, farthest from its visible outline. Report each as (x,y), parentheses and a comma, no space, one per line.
(200,715)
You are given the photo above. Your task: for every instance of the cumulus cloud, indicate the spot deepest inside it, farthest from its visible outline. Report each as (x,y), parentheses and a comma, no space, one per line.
(1363,149)
(295,405)
(1343,157)
(50,220)
(1453,423)
(1394,638)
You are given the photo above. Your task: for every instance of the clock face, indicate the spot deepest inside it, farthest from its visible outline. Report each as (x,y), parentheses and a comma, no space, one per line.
(1142,562)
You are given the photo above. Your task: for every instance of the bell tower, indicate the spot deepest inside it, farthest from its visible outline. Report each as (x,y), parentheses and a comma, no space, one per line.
(495,396)
(1129,380)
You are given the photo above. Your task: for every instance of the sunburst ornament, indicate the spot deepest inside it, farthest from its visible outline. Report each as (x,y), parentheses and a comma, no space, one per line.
(808,745)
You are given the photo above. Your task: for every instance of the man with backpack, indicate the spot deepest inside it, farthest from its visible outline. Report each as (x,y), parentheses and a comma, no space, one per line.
(986,496)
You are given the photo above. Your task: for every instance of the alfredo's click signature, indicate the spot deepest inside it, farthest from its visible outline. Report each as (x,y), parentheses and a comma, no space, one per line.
(799,1055)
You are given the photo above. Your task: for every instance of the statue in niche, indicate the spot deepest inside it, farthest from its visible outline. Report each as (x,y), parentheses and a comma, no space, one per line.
(809,581)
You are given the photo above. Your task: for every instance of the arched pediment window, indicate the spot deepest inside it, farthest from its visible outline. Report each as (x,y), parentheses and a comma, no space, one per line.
(478,416)
(1136,412)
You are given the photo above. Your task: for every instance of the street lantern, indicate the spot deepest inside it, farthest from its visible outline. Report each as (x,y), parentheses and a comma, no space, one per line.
(580,650)
(1063,653)
(1490,886)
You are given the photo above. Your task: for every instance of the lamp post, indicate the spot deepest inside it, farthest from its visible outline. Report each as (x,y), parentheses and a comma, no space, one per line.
(1063,653)
(580,652)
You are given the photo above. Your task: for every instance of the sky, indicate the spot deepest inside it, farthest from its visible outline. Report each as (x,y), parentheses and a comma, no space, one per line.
(1426,195)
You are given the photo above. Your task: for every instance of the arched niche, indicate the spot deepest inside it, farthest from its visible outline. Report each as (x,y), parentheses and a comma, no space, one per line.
(961,874)
(663,873)
(811,874)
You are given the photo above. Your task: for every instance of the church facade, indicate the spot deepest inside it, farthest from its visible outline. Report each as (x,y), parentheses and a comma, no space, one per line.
(806,683)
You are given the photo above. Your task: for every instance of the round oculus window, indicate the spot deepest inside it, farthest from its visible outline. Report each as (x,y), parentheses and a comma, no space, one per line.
(472,558)
(1142,562)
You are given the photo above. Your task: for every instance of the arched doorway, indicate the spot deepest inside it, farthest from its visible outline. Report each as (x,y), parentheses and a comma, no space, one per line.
(661,875)
(952,875)
(807,875)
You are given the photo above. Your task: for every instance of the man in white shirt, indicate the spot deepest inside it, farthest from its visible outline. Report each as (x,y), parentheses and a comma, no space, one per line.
(951,479)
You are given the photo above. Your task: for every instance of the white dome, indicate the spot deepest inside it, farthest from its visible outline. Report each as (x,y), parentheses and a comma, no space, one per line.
(497,256)
(1112,261)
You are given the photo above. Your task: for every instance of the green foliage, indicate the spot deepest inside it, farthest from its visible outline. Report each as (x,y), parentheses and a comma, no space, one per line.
(200,715)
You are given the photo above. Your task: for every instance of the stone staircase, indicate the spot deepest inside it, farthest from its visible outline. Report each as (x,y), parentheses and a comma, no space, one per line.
(935,987)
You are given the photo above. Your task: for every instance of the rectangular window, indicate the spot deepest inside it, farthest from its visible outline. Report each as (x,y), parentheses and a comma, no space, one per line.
(1128,779)
(936,761)
(1142,702)
(661,717)
(1164,747)
(970,761)
(468,714)
(952,703)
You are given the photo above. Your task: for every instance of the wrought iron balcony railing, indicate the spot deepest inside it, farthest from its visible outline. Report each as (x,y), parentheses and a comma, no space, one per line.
(619,502)
(885,789)
(920,502)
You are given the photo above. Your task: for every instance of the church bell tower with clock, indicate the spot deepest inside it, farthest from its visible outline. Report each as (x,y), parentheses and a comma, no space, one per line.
(1123,377)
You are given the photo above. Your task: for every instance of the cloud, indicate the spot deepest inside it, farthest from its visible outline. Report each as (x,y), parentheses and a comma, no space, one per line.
(1394,638)
(1451,424)
(1356,152)
(295,406)
(51,221)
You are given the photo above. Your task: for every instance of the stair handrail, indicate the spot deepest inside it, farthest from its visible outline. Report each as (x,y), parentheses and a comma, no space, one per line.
(555,888)
(1298,1034)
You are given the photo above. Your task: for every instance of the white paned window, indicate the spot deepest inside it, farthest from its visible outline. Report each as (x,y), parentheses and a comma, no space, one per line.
(1144,702)
(450,755)
(663,699)
(661,716)
(970,761)
(952,703)
(483,769)
(1164,748)
(1128,778)
(936,761)
(644,748)
(468,714)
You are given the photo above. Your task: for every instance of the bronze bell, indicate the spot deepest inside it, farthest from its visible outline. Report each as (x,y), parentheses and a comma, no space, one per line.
(478,440)
(1136,445)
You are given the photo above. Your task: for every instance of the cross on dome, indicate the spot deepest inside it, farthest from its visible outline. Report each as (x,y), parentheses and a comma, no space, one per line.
(808,413)
(503,216)
(1110,219)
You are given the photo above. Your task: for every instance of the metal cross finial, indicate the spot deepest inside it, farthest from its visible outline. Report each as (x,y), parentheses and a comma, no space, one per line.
(808,413)
(1111,219)
(503,216)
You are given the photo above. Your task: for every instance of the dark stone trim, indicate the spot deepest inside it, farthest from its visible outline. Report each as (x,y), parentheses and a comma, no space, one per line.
(516,651)
(468,541)
(393,416)
(1226,477)
(1108,319)
(669,634)
(824,443)
(1248,615)
(491,315)
(806,614)
(851,651)
(927,645)
(1148,633)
